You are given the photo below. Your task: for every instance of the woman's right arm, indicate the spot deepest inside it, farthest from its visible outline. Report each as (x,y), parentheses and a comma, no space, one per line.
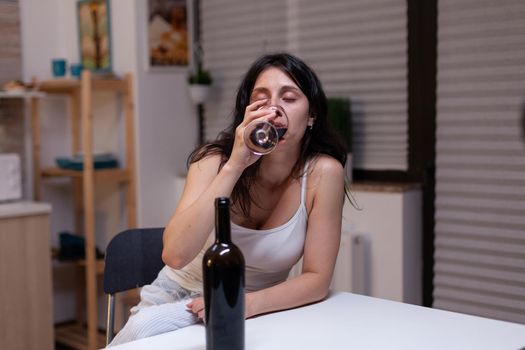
(190,226)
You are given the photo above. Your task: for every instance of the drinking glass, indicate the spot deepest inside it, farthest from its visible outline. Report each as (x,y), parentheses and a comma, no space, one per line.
(263,134)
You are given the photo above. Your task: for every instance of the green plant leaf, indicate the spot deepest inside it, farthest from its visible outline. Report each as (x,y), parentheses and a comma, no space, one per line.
(202,77)
(340,118)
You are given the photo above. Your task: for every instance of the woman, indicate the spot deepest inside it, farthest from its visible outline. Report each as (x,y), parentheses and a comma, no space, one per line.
(285,205)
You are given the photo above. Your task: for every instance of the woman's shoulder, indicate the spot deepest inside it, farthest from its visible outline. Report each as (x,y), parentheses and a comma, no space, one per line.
(325,180)
(208,163)
(325,166)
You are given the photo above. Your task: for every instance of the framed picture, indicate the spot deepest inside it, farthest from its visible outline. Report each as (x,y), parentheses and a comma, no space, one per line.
(169,34)
(94,35)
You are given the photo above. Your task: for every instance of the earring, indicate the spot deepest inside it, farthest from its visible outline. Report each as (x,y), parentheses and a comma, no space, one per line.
(311,123)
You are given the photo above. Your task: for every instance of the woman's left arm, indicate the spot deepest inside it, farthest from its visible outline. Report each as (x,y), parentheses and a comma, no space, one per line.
(320,251)
(321,246)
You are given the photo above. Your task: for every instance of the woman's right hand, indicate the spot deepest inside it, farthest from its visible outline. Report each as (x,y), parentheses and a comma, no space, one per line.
(186,232)
(241,156)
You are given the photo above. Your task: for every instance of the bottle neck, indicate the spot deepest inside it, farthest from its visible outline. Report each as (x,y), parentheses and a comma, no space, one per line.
(222,224)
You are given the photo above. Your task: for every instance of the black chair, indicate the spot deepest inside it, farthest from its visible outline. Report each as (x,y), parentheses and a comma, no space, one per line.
(133,259)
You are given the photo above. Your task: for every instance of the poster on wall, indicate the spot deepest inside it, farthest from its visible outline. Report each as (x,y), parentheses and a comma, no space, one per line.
(94,35)
(168,34)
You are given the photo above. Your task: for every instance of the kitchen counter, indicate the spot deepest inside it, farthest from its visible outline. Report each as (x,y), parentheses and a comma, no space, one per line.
(26,303)
(23,208)
(385,187)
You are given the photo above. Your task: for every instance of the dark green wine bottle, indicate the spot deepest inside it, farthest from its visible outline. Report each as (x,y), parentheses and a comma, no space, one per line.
(223,277)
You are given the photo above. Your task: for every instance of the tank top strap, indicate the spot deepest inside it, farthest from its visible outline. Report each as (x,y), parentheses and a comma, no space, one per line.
(304,180)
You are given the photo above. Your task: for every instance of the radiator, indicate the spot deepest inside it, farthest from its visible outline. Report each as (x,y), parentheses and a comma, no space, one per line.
(352,272)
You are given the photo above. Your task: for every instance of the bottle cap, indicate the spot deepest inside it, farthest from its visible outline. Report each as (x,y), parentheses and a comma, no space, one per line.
(222,202)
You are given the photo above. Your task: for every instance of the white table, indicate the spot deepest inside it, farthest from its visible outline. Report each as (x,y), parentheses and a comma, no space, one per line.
(350,321)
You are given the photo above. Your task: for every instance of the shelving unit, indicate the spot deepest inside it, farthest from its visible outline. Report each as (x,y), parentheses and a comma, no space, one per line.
(84,182)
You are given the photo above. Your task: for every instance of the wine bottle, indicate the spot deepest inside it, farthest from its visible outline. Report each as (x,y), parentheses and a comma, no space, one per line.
(223,278)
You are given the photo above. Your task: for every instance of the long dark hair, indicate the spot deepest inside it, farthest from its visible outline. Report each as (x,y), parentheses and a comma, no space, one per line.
(320,139)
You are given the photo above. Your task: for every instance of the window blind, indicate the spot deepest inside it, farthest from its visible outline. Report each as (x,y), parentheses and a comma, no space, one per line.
(234,34)
(480,178)
(358,48)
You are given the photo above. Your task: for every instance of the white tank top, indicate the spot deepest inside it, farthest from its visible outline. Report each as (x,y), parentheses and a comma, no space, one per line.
(269,254)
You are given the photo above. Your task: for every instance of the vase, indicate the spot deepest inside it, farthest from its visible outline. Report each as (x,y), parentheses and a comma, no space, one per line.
(199,93)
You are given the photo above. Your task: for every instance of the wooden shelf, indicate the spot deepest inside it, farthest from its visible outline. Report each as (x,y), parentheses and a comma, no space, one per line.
(99,265)
(75,336)
(80,94)
(69,85)
(59,85)
(113,174)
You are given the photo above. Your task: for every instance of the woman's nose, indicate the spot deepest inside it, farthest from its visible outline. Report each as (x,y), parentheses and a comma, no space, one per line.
(274,101)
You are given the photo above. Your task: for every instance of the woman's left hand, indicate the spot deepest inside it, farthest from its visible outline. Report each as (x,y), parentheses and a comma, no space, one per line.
(197,307)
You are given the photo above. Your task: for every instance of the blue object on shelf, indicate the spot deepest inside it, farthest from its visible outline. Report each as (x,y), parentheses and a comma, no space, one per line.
(72,247)
(76,70)
(100,161)
(58,66)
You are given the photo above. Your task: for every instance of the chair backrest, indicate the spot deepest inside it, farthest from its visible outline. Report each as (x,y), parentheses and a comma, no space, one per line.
(133,259)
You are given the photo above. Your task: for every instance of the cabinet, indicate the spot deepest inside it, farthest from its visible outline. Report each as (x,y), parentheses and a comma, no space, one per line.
(26,309)
(80,93)
(389,224)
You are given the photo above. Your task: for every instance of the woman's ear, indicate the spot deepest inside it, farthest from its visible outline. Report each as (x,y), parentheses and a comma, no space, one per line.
(311,121)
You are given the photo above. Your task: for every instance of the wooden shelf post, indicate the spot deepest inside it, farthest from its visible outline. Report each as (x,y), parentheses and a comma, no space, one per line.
(80,93)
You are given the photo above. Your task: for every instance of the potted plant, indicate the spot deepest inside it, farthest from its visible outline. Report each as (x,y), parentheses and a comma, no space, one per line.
(339,114)
(199,85)
(199,80)
(340,118)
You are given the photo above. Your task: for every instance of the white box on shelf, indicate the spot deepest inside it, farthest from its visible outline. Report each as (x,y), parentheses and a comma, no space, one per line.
(10,177)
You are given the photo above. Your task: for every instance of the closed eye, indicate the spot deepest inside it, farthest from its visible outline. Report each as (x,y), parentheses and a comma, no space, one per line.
(257,98)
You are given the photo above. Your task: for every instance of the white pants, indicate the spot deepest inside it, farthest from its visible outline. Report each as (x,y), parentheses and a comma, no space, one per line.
(162,308)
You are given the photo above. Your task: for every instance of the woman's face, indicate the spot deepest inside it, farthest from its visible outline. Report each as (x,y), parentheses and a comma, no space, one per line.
(276,86)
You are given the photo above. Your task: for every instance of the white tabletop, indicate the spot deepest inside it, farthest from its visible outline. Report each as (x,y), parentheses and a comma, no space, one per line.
(350,321)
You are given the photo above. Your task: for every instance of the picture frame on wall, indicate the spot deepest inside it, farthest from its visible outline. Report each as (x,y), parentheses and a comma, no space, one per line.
(169,35)
(94,35)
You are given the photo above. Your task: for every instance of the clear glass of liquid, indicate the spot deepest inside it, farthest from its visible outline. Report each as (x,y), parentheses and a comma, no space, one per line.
(263,134)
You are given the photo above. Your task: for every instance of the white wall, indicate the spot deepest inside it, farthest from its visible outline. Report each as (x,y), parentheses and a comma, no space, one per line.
(167,132)
(166,124)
